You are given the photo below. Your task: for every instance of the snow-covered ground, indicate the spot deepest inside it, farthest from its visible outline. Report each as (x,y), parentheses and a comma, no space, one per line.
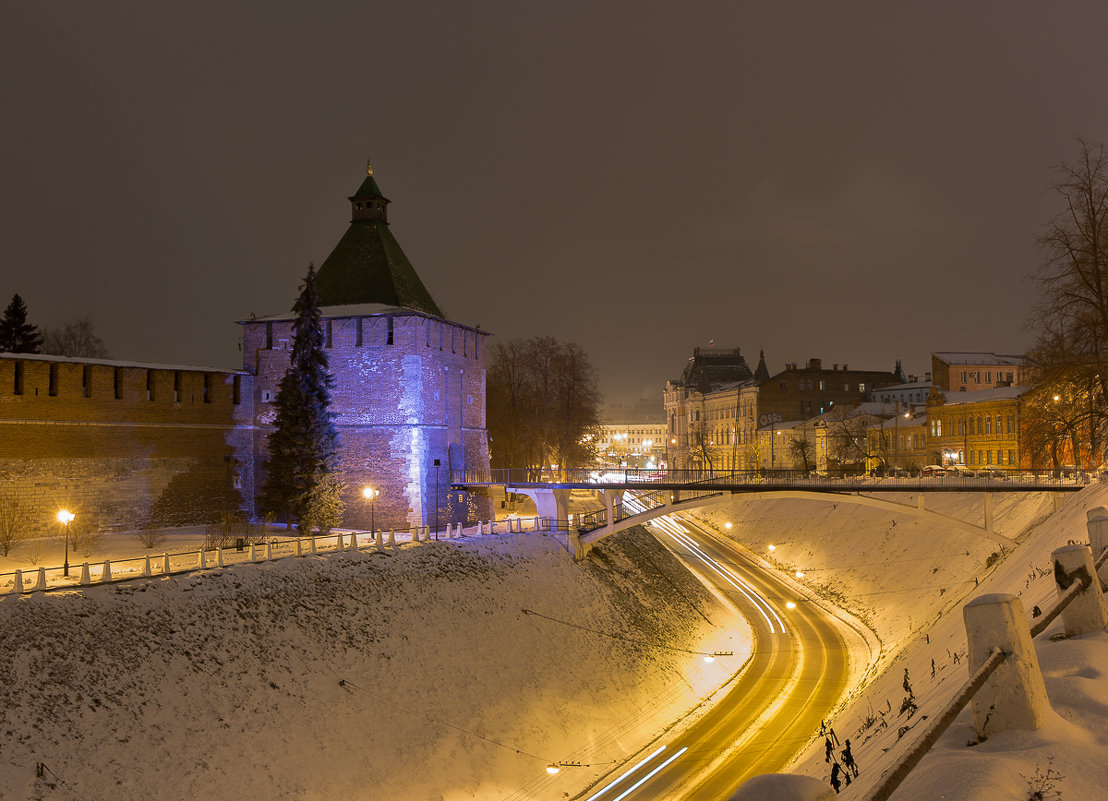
(414,673)
(408,673)
(909,580)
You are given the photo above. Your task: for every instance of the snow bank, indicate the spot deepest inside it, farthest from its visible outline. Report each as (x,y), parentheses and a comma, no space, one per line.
(403,674)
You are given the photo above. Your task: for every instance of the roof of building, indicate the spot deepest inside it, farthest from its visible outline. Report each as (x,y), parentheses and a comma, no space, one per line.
(184,368)
(954,398)
(356,310)
(368,265)
(712,370)
(980,358)
(911,385)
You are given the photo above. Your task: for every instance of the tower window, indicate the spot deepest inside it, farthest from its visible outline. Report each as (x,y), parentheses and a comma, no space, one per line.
(86,380)
(236,390)
(388,335)
(53,391)
(358,332)
(176,387)
(269,336)
(150,385)
(117,381)
(328,344)
(18,387)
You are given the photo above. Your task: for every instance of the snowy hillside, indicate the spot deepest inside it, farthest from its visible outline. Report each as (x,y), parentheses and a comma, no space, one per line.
(909,581)
(314,678)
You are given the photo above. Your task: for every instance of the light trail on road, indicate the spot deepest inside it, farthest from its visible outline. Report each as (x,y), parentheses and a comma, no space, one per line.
(793,679)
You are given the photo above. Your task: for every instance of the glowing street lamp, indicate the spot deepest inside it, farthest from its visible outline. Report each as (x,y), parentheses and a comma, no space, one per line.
(370,495)
(65,517)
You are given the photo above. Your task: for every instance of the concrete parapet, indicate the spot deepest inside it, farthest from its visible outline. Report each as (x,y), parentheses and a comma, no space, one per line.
(1014,697)
(1087,611)
(783,787)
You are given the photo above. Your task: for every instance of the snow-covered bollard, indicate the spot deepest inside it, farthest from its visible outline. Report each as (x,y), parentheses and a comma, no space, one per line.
(783,787)
(1086,612)
(458,532)
(353,540)
(299,547)
(219,556)
(313,544)
(106,576)
(40,585)
(202,560)
(165,564)
(17,586)
(1014,697)
(85,580)
(253,552)
(392,538)
(146,567)
(1098,537)
(269,550)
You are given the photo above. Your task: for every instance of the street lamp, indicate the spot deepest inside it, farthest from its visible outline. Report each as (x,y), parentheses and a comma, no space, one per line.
(370,495)
(65,518)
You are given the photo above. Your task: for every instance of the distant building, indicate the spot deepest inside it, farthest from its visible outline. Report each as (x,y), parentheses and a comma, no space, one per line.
(971,371)
(632,436)
(716,412)
(976,428)
(912,393)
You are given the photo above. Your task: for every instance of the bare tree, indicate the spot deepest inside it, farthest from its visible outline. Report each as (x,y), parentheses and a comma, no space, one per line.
(13,524)
(802,451)
(74,338)
(543,404)
(849,445)
(1071,317)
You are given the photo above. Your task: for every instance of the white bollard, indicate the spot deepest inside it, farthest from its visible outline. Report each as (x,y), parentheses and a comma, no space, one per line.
(253,552)
(1014,697)
(354,540)
(392,538)
(299,547)
(783,787)
(40,585)
(1097,525)
(1086,612)
(313,543)
(268,551)
(165,564)
(458,533)
(219,556)
(201,560)
(18,586)
(106,576)
(146,567)
(85,580)
(379,538)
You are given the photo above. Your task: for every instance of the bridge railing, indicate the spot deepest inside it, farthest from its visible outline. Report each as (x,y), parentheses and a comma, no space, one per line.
(524,476)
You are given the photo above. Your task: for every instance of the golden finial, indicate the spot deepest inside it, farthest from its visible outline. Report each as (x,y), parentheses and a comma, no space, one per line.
(368,167)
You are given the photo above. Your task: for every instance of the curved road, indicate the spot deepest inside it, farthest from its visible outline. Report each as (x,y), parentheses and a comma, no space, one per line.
(792,680)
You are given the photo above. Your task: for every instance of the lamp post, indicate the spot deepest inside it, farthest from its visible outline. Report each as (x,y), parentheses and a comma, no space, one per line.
(370,495)
(65,518)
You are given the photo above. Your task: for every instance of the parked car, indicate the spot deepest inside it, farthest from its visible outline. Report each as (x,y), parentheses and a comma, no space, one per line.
(992,472)
(959,470)
(933,470)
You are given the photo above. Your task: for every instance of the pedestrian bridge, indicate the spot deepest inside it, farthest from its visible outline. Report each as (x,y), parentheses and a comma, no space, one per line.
(661,492)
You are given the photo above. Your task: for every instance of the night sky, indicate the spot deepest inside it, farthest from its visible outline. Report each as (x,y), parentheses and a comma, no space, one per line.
(850,181)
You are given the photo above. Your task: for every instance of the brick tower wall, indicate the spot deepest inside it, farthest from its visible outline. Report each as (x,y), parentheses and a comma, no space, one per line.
(409,389)
(124,445)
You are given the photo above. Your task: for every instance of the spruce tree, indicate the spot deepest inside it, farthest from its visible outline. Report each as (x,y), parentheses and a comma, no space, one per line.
(302,479)
(16,336)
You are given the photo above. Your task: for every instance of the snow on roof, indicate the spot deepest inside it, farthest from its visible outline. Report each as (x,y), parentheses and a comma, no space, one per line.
(356,310)
(42,357)
(955,398)
(980,357)
(907,386)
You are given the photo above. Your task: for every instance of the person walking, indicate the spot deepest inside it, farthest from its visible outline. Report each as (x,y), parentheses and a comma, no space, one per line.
(836,782)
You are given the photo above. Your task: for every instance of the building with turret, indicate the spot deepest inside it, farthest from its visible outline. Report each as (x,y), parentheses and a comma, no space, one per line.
(409,393)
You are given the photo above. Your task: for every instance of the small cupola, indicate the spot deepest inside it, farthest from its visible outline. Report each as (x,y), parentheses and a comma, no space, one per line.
(368,203)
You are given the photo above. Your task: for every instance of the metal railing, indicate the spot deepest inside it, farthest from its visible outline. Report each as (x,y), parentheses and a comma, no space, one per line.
(766,479)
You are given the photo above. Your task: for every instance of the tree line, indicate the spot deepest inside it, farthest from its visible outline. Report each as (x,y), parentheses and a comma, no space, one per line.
(76,338)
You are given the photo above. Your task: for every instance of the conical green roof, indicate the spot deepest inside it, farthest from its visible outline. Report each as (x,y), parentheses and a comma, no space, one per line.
(368,265)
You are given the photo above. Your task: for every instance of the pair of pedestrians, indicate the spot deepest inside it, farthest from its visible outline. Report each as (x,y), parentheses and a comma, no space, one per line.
(848,770)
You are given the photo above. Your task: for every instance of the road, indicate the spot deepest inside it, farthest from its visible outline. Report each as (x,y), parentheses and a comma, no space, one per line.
(798,670)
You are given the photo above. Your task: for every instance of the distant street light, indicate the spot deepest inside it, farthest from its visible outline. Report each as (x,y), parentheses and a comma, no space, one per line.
(65,518)
(370,495)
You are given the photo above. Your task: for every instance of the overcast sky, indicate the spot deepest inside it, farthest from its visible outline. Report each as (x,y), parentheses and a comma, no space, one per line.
(858,182)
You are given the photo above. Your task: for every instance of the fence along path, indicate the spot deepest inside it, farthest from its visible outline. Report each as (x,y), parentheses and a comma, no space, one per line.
(152,565)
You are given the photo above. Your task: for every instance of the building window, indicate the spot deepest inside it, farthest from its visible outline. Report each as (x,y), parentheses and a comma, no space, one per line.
(358,332)
(267,396)
(86,380)
(971,426)
(389,332)
(18,387)
(176,387)
(208,385)
(989,424)
(1011,457)
(861,387)
(117,381)
(150,385)
(963,376)
(236,390)
(53,386)
(1011,424)
(269,336)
